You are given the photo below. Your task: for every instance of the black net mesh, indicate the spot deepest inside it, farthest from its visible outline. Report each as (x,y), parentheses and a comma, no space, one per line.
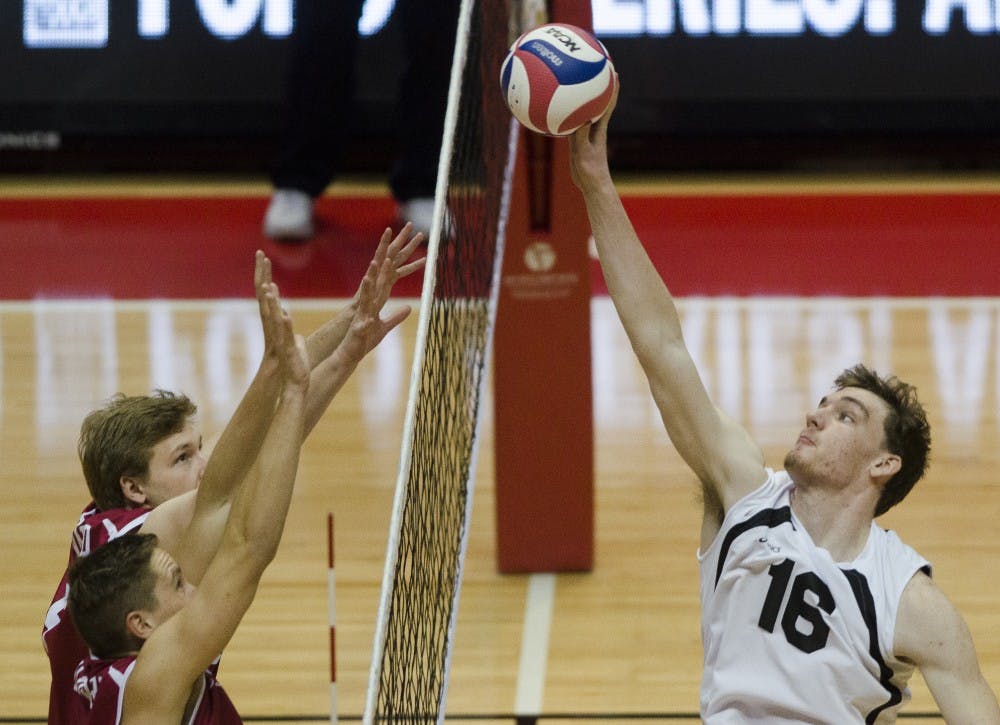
(420,610)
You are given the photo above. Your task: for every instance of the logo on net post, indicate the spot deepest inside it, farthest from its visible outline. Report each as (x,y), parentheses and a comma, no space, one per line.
(539,257)
(65,23)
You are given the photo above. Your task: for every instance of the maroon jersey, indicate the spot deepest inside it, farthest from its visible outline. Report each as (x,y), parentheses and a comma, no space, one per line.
(101,683)
(63,645)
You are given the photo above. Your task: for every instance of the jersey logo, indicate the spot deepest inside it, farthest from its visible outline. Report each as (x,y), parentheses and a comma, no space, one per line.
(773,547)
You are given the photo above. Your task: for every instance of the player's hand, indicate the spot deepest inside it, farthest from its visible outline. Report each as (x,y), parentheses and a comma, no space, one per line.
(588,149)
(270,323)
(390,263)
(289,348)
(397,251)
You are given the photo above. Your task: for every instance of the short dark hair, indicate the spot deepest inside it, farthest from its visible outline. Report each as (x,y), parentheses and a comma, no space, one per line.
(907,432)
(105,586)
(117,440)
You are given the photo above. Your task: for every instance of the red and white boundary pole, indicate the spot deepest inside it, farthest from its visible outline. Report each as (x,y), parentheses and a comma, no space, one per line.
(331,599)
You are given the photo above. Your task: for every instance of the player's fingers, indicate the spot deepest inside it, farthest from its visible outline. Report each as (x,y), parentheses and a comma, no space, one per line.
(396,317)
(400,239)
(412,267)
(600,130)
(262,269)
(411,246)
(384,246)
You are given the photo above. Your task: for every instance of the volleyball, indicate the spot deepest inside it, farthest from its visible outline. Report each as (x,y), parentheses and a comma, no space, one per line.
(556,78)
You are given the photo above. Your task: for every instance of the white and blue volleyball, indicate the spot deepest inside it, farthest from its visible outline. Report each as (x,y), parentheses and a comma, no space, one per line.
(556,78)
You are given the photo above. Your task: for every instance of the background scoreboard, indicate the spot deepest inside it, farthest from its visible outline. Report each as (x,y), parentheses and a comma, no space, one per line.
(704,82)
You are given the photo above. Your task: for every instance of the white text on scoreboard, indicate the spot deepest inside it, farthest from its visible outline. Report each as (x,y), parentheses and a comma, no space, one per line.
(786,17)
(84,23)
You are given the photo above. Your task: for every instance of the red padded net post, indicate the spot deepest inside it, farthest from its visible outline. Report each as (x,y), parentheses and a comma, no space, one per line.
(542,372)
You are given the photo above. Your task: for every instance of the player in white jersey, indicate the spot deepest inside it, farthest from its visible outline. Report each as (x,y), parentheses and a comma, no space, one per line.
(814,614)
(810,612)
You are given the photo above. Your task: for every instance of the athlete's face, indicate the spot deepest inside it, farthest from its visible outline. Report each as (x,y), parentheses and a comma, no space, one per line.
(172,590)
(842,438)
(175,467)
(170,593)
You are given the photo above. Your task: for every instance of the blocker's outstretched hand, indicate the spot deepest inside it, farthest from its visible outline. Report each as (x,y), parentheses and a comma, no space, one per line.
(390,263)
(397,251)
(337,347)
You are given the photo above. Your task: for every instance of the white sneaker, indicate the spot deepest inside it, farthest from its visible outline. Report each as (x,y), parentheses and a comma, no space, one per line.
(420,212)
(289,215)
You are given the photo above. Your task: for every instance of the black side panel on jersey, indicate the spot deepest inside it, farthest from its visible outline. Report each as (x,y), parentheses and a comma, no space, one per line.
(866,603)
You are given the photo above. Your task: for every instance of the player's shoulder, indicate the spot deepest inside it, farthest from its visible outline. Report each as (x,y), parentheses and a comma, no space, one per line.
(923,597)
(101,681)
(888,556)
(116,517)
(927,618)
(926,615)
(97,527)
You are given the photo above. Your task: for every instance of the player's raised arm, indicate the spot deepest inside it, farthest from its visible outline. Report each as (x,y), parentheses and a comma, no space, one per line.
(178,649)
(720,453)
(190,526)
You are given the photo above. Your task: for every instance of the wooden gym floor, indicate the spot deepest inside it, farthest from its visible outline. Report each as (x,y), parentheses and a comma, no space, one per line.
(623,640)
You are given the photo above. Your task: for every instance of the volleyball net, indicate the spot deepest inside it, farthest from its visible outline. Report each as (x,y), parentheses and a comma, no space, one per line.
(432,505)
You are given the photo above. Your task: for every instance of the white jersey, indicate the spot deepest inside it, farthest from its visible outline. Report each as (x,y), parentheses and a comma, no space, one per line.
(789,634)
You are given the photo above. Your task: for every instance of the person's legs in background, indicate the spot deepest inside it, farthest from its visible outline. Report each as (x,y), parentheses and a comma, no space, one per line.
(319,95)
(428,31)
